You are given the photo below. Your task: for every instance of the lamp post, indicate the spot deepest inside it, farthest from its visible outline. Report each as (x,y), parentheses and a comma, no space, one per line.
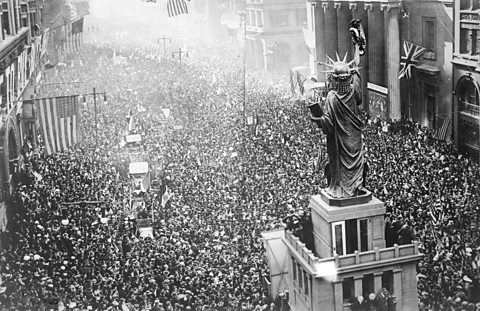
(94,94)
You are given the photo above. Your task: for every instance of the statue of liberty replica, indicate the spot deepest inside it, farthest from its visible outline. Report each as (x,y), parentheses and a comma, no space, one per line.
(340,121)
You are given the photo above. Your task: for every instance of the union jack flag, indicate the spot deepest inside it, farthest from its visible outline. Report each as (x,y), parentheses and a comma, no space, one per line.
(412,54)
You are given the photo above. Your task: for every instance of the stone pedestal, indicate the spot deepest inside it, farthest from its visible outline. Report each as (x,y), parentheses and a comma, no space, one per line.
(324,215)
(337,278)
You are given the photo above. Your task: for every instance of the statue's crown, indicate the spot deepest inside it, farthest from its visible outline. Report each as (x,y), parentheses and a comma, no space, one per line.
(339,69)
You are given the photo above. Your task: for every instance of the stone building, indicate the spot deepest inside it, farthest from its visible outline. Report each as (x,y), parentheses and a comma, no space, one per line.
(274,34)
(466,78)
(424,97)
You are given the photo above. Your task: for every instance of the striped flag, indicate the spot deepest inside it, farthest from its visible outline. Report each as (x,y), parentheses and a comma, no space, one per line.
(442,131)
(301,81)
(77,32)
(293,82)
(59,119)
(176,7)
(412,54)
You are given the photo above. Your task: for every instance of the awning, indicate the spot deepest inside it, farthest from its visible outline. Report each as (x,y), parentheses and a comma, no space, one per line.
(429,69)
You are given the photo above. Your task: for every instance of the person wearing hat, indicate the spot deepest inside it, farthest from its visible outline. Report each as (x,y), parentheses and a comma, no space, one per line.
(359,304)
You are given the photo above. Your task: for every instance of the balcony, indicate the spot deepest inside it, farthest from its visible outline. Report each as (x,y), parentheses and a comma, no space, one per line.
(11,42)
(352,262)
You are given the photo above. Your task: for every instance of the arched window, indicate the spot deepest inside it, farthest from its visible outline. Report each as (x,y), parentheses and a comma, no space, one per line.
(468,96)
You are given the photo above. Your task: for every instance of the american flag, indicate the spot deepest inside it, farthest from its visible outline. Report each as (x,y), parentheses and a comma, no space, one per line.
(176,7)
(59,119)
(293,81)
(77,34)
(442,131)
(412,54)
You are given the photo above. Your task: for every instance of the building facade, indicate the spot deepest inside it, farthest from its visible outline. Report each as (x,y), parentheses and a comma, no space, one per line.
(274,38)
(466,78)
(22,50)
(425,96)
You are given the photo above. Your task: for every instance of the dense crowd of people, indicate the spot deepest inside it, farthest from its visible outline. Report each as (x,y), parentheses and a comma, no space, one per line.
(236,159)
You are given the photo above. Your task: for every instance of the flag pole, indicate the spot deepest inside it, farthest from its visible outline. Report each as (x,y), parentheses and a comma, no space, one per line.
(96,124)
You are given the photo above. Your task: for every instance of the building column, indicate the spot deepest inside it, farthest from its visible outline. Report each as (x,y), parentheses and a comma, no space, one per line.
(11,18)
(338,289)
(331,34)
(344,16)
(377,282)
(316,23)
(376,44)
(397,287)
(393,62)
(358,279)
(359,12)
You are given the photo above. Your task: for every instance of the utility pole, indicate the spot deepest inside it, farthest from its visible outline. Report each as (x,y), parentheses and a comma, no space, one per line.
(164,39)
(180,52)
(95,111)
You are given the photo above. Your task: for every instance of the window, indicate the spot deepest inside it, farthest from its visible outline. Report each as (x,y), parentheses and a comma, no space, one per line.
(464,33)
(429,37)
(363,234)
(300,276)
(338,236)
(5,19)
(348,287)
(367,285)
(259,18)
(468,98)
(294,269)
(250,18)
(469,109)
(305,280)
(279,18)
(387,280)
(351,231)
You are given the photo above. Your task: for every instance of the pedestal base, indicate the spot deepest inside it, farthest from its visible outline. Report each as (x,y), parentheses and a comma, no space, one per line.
(361,199)
(325,216)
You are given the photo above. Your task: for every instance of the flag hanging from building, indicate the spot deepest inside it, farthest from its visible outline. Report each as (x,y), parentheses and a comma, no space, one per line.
(77,33)
(412,54)
(176,7)
(59,120)
(293,81)
(442,131)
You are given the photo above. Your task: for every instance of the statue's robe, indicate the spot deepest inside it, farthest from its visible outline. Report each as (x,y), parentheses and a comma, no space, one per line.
(343,127)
